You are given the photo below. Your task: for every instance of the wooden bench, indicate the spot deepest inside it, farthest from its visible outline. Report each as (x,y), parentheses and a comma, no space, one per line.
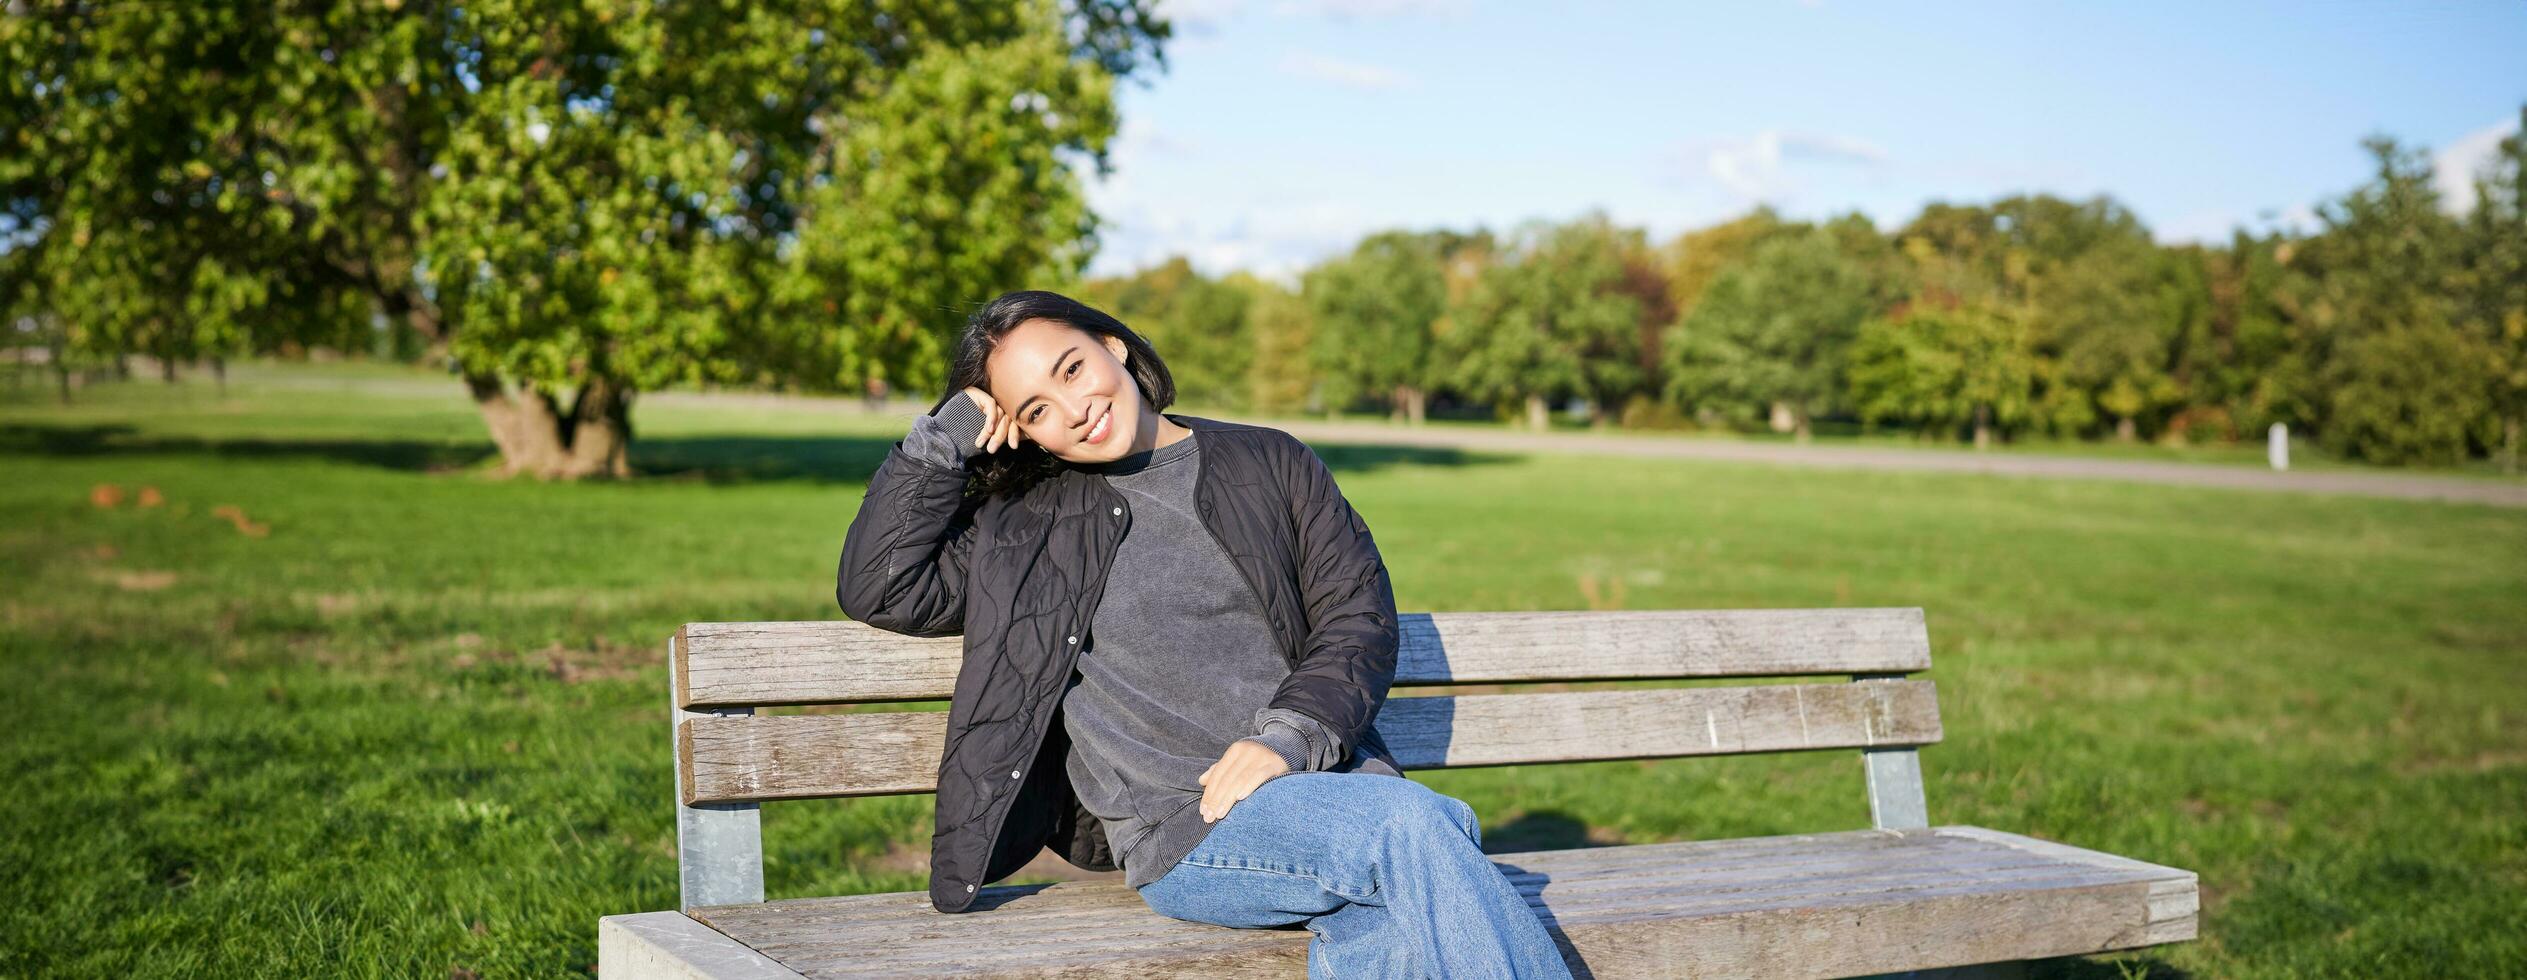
(1903,897)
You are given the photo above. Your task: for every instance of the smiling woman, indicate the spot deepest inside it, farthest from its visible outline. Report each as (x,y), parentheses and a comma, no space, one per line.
(1056,381)
(1163,614)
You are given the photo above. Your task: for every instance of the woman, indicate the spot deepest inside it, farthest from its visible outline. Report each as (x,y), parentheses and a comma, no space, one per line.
(1212,625)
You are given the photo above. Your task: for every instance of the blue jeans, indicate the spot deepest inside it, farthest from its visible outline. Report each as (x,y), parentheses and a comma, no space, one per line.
(1389,875)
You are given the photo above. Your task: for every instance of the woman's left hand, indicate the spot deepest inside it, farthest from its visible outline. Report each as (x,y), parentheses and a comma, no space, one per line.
(1245,765)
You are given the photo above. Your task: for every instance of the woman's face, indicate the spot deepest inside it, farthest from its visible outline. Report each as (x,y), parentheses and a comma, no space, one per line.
(1063,384)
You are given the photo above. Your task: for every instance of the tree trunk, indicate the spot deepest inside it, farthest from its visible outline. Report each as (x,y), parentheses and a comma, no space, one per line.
(524,426)
(1803,431)
(1782,420)
(1416,404)
(61,363)
(166,369)
(536,438)
(122,366)
(1538,417)
(219,373)
(601,431)
(1982,427)
(2126,430)
(2509,444)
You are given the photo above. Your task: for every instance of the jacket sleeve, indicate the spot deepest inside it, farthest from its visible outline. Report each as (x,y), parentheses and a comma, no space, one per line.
(904,558)
(1348,660)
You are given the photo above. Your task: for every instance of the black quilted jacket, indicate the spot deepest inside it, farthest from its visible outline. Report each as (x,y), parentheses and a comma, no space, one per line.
(1021,576)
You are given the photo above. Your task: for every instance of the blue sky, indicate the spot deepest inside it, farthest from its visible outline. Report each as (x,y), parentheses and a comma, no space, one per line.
(1286,129)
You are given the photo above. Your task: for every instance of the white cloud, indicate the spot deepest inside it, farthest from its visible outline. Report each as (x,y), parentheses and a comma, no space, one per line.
(1274,239)
(1350,75)
(1758,168)
(2455,166)
(1272,233)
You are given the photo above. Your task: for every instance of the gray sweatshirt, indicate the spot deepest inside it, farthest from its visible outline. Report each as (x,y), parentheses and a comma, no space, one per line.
(1176,667)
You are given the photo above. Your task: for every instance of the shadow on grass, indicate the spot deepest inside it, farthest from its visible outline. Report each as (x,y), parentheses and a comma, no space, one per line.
(125,440)
(717,459)
(2081,968)
(1538,830)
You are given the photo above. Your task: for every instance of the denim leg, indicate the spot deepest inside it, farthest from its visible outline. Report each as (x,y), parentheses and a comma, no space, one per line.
(1389,875)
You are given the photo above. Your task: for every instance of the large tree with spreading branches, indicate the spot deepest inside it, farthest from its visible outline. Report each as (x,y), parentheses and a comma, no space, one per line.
(576,201)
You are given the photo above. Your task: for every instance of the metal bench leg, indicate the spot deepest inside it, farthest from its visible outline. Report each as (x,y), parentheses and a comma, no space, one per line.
(1895,779)
(719,846)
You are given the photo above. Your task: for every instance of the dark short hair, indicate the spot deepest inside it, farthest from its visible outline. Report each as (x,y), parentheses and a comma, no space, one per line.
(1012,470)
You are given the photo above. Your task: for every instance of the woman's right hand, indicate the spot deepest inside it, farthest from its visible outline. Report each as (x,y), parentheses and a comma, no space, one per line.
(1000,429)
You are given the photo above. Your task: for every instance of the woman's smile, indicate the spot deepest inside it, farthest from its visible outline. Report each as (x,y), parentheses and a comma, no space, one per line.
(1097,433)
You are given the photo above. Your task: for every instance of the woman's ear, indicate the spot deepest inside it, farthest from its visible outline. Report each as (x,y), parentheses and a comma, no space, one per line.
(1114,345)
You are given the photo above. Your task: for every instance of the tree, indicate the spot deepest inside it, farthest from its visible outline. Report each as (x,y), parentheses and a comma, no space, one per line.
(1284,330)
(2253,365)
(1695,259)
(1942,368)
(2496,261)
(1375,310)
(2384,279)
(2110,319)
(1557,315)
(1198,323)
(1770,335)
(575,202)
(2408,395)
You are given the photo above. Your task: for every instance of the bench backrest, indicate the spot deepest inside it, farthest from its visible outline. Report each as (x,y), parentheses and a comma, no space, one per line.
(729,760)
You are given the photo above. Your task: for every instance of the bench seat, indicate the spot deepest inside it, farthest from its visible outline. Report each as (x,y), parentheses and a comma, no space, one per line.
(1808,905)
(1905,899)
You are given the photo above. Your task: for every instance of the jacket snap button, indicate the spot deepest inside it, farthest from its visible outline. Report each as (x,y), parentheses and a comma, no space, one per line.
(1074,639)
(969,888)
(1118,512)
(1013,774)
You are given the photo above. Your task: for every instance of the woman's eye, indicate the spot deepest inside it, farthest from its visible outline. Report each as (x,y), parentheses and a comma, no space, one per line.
(1074,369)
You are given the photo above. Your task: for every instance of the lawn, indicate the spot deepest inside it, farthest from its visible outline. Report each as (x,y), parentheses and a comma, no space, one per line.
(385,718)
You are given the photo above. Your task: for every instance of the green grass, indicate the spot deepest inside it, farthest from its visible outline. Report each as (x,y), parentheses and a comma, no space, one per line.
(420,728)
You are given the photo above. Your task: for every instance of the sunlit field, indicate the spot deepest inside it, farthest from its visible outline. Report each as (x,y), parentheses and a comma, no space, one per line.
(298,693)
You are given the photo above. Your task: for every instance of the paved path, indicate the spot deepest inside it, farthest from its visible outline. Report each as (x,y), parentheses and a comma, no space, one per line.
(2410,486)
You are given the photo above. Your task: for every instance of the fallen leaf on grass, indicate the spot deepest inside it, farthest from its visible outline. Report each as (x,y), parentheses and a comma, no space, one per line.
(106,495)
(150,497)
(1611,598)
(237,516)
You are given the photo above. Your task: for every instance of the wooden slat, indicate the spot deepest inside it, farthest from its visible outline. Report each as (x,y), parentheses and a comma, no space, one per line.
(741,758)
(800,663)
(1817,905)
(1809,870)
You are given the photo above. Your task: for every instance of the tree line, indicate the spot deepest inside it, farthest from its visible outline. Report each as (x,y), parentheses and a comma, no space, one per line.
(2396,333)
(569,204)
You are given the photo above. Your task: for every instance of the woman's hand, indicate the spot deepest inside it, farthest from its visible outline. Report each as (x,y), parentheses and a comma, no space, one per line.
(1245,765)
(1000,429)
